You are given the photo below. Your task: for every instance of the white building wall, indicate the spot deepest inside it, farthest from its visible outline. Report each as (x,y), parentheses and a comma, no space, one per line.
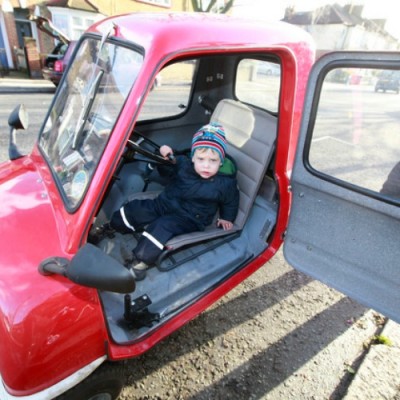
(341,37)
(332,37)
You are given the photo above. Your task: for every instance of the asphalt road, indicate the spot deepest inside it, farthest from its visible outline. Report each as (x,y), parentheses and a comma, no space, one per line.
(278,335)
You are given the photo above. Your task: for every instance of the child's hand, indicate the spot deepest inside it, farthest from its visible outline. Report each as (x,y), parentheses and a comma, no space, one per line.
(166,151)
(226,225)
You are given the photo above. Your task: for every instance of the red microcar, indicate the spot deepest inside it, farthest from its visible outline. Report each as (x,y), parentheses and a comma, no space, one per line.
(306,144)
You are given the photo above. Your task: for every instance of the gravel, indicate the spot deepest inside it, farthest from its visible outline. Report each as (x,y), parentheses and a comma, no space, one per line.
(278,335)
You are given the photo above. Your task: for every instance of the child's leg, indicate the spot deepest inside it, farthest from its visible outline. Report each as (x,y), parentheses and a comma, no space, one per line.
(152,241)
(130,217)
(134,215)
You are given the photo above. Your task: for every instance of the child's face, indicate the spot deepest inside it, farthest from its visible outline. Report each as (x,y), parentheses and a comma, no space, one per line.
(206,162)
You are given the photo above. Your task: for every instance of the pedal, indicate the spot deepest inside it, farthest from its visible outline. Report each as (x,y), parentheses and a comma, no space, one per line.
(137,314)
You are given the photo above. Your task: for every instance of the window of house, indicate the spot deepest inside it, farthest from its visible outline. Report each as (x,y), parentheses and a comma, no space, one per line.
(60,21)
(73,24)
(356,136)
(78,26)
(77,21)
(171,90)
(258,83)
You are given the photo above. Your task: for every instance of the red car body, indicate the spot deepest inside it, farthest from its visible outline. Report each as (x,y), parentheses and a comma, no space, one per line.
(33,201)
(45,319)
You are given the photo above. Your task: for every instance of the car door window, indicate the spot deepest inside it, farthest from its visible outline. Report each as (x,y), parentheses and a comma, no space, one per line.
(258,83)
(170,91)
(356,136)
(343,229)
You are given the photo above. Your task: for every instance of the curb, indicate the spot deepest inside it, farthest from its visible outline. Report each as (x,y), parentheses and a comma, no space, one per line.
(377,376)
(12,85)
(26,89)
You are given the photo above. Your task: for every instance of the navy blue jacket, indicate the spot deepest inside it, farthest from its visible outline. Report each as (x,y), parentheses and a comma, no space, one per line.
(198,199)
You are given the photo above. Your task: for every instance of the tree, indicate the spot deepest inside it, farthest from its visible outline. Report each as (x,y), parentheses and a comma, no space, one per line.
(200,6)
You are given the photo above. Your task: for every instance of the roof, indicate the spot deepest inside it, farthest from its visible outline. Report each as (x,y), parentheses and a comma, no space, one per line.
(328,14)
(174,32)
(85,5)
(17,3)
(349,15)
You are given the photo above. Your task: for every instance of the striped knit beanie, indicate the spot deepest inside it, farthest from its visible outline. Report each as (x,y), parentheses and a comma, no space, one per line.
(210,136)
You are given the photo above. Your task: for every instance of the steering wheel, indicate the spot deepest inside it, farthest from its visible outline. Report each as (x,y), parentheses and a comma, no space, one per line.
(141,146)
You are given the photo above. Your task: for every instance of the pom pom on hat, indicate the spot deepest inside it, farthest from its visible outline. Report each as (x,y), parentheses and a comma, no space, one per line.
(211,136)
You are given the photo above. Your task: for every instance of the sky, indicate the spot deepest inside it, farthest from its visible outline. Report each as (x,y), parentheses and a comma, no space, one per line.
(274,10)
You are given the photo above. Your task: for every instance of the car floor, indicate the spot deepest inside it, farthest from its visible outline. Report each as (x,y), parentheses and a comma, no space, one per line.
(207,265)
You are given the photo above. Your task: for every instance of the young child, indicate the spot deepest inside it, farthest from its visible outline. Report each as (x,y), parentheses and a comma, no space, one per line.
(201,185)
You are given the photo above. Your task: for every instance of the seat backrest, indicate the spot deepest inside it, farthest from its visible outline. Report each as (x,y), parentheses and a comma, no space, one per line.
(251,135)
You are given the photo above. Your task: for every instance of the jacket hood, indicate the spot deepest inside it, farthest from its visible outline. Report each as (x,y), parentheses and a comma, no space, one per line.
(228,167)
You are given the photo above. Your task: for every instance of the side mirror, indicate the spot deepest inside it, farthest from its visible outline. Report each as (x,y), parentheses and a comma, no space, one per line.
(18,119)
(93,268)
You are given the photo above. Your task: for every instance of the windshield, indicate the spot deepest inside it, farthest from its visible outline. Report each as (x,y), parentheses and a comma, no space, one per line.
(83,114)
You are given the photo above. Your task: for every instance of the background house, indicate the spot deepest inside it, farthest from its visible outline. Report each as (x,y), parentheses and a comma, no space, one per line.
(336,27)
(72,17)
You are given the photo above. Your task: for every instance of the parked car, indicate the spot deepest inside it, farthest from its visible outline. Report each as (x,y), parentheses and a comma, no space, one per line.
(69,305)
(56,62)
(268,68)
(388,80)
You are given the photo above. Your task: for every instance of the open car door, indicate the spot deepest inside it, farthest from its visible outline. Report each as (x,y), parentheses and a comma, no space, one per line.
(344,225)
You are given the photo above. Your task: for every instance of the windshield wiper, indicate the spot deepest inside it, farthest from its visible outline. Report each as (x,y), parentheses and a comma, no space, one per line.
(87,106)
